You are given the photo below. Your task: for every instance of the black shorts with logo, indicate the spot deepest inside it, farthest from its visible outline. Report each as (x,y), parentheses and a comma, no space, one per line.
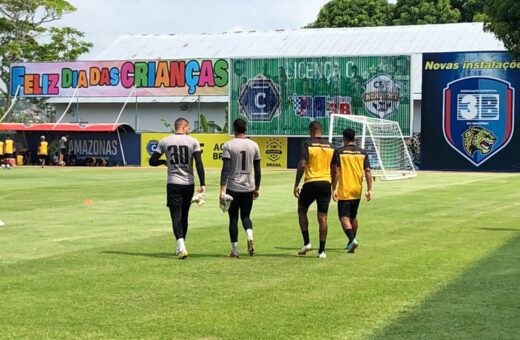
(319,191)
(178,195)
(348,208)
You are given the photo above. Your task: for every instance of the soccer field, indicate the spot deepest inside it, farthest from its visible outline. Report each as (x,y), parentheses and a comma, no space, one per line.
(439,258)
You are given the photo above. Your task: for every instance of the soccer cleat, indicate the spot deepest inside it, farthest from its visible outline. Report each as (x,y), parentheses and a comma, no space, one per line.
(250,247)
(183,254)
(322,255)
(225,206)
(198,198)
(234,255)
(306,248)
(352,246)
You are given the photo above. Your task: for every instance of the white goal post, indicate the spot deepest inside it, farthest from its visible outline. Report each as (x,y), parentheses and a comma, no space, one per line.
(382,139)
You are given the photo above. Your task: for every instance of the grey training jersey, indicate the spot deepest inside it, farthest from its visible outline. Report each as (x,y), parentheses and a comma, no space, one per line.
(242,153)
(179,149)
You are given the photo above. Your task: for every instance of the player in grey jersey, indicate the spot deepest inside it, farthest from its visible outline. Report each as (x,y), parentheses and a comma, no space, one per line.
(240,156)
(180,150)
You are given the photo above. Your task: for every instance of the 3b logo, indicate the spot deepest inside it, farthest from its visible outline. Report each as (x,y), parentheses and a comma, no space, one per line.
(478,117)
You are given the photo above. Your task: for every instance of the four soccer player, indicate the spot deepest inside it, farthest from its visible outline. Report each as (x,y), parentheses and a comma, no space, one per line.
(327,172)
(241,156)
(181,150)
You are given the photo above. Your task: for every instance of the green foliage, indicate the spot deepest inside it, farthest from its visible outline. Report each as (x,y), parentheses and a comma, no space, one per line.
(470,10)
(420,12)
(353,13)
(432,264)
(502,18)
(27,34)
(203,123)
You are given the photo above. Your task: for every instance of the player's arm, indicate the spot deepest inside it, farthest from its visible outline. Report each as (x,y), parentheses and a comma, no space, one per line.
(334,170)
(368,176)
(258,177)
(224,175)
(197,155)
(299,174)
(155,161)
(304,156)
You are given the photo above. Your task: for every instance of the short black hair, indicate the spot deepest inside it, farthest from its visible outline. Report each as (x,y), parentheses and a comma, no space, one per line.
(315,126)
(240,126)
(349,134)
(179,122)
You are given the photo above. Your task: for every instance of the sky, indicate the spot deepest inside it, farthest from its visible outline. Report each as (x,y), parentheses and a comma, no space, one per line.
(103,21)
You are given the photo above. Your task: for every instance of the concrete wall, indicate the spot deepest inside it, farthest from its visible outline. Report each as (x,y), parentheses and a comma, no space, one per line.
(143,117)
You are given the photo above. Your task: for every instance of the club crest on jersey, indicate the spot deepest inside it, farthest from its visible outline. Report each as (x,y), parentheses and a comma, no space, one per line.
(478,117)
(382,96)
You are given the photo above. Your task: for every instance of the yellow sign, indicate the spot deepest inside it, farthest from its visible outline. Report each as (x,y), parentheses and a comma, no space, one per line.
(273,151)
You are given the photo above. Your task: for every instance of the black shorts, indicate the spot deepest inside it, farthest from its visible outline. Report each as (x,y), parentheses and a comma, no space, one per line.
(348,208)
(8,155)
(179,194)
(42,157)
(241,200)
(318,191)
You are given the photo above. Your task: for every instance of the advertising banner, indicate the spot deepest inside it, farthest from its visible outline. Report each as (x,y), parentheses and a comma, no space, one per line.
(273,151)
(469,111)
(282,96)
(205,77)
(92,146)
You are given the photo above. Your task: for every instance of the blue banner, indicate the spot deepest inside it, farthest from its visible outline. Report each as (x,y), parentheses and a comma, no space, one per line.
(469,111)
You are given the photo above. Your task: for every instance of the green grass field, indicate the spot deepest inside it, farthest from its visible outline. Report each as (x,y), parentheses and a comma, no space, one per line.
(439,258)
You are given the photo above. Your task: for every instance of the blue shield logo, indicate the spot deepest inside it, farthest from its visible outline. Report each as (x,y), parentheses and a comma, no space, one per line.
(478,117)
(151,146)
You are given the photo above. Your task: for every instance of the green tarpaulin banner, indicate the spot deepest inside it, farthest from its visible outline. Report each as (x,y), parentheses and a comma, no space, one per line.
(282,96)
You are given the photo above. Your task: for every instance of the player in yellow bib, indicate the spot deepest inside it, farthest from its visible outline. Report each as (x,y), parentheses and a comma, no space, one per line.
(43,151)
(347,186)
(1,151)
(8,150)
(318,163)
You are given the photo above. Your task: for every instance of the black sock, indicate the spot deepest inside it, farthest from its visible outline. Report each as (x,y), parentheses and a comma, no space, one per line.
(322,247)
(349,234)
(306,240)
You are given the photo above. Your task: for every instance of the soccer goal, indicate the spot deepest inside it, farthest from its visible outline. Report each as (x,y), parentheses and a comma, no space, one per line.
(382,139)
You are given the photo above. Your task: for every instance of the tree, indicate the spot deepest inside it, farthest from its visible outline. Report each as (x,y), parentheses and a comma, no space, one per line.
(27,34)
(353,13)
(470,10)
(502,18)
(420,12)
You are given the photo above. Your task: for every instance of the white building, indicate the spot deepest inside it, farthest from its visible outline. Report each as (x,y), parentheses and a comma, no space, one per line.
(146,113)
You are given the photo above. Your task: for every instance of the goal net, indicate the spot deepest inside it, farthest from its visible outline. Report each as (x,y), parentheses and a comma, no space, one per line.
(382,139)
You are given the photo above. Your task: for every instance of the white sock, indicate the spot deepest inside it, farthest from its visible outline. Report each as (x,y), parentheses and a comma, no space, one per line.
(180,244)
(234,247)
(249,233)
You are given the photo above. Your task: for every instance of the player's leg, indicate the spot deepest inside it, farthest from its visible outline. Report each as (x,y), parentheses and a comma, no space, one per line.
(344,207)
(174,199)
(187,195)
(307,196)
(323,195)
(354,222)
(246,205)
(233,222)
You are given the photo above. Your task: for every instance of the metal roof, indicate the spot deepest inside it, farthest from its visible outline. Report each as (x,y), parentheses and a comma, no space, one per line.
(350,41)
(69,127)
